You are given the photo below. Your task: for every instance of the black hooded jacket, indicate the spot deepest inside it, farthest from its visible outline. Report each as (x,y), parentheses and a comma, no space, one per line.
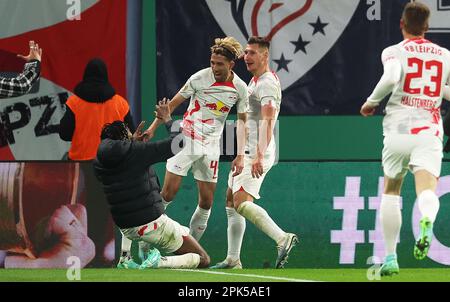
(131,185)
(94,88)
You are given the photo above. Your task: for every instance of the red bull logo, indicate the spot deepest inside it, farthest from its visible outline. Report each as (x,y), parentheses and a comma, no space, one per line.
(218,108)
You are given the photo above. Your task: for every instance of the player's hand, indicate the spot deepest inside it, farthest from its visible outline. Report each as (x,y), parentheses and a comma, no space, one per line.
(257,167)
(34,54)
(148,135)
(237,165)
(367,109)
(68,227)
(138,135)
(163,111)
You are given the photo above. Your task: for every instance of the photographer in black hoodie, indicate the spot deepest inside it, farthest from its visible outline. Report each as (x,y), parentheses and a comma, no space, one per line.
(123,166)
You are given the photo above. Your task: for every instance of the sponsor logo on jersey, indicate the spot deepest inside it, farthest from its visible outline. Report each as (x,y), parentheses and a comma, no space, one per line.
(218,108)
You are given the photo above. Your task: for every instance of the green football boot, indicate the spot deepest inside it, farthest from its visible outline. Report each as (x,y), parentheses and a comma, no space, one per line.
(390,266)
(152,261)
(126,262)
(423,243)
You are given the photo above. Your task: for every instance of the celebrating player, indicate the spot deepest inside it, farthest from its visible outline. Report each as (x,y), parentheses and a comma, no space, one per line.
(415,72)
(265,100)
(212,92)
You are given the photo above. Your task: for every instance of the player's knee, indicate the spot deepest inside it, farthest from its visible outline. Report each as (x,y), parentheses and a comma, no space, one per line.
(428,195)
(392,191)
(237,201)
(205,201)
(236,205)
(229,203)
(229,199)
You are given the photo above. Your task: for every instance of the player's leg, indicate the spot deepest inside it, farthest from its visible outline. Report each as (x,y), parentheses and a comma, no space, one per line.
(189,255)
(172,183)
(169,236)
(426,184)
(244,205)
(199,220)
(144,249)
(205,170)
(189,246)
(176,168)
(426,161)
(395,158)
(235,235)
(126,260)
(391,221)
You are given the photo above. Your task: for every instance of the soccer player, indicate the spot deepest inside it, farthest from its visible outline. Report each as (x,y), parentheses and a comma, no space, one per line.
(265,100)
(213,92)
(123,166)
(415,72)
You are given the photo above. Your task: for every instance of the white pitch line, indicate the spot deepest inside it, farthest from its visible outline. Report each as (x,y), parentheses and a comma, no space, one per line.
(245,275)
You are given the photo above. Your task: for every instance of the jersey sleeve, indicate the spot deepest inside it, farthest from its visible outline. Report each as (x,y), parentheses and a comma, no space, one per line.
(242,102)
(188,89)
(268,93)
(392,70)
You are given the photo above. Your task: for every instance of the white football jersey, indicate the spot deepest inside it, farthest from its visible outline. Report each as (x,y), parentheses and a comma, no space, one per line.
(262,91)
(210,104)
(414,106)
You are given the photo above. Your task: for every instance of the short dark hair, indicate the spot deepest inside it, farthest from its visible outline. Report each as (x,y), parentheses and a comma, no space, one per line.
(116,130)
(261,41)
(415,18)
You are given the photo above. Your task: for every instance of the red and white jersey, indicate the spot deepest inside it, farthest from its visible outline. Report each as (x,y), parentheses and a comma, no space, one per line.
(414,106)
(210,104)
(263,90)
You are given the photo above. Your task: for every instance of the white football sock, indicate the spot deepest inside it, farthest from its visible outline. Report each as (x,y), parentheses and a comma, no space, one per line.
(189,260)
(199,221)
(259,217)
(429,204)
(165,203)
(391,221)
(126,245)
(235,233)
(144,248)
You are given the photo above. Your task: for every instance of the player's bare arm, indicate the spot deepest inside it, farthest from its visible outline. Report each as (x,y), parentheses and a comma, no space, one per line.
(176,101)
(266,125)
(162,115)
(238,163)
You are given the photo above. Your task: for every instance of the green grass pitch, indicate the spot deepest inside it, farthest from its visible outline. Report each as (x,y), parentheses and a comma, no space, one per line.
(245,275)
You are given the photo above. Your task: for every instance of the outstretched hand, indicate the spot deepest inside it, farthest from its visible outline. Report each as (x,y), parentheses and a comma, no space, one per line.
(163,110)
(34,54)
(162,114)
(138,135)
